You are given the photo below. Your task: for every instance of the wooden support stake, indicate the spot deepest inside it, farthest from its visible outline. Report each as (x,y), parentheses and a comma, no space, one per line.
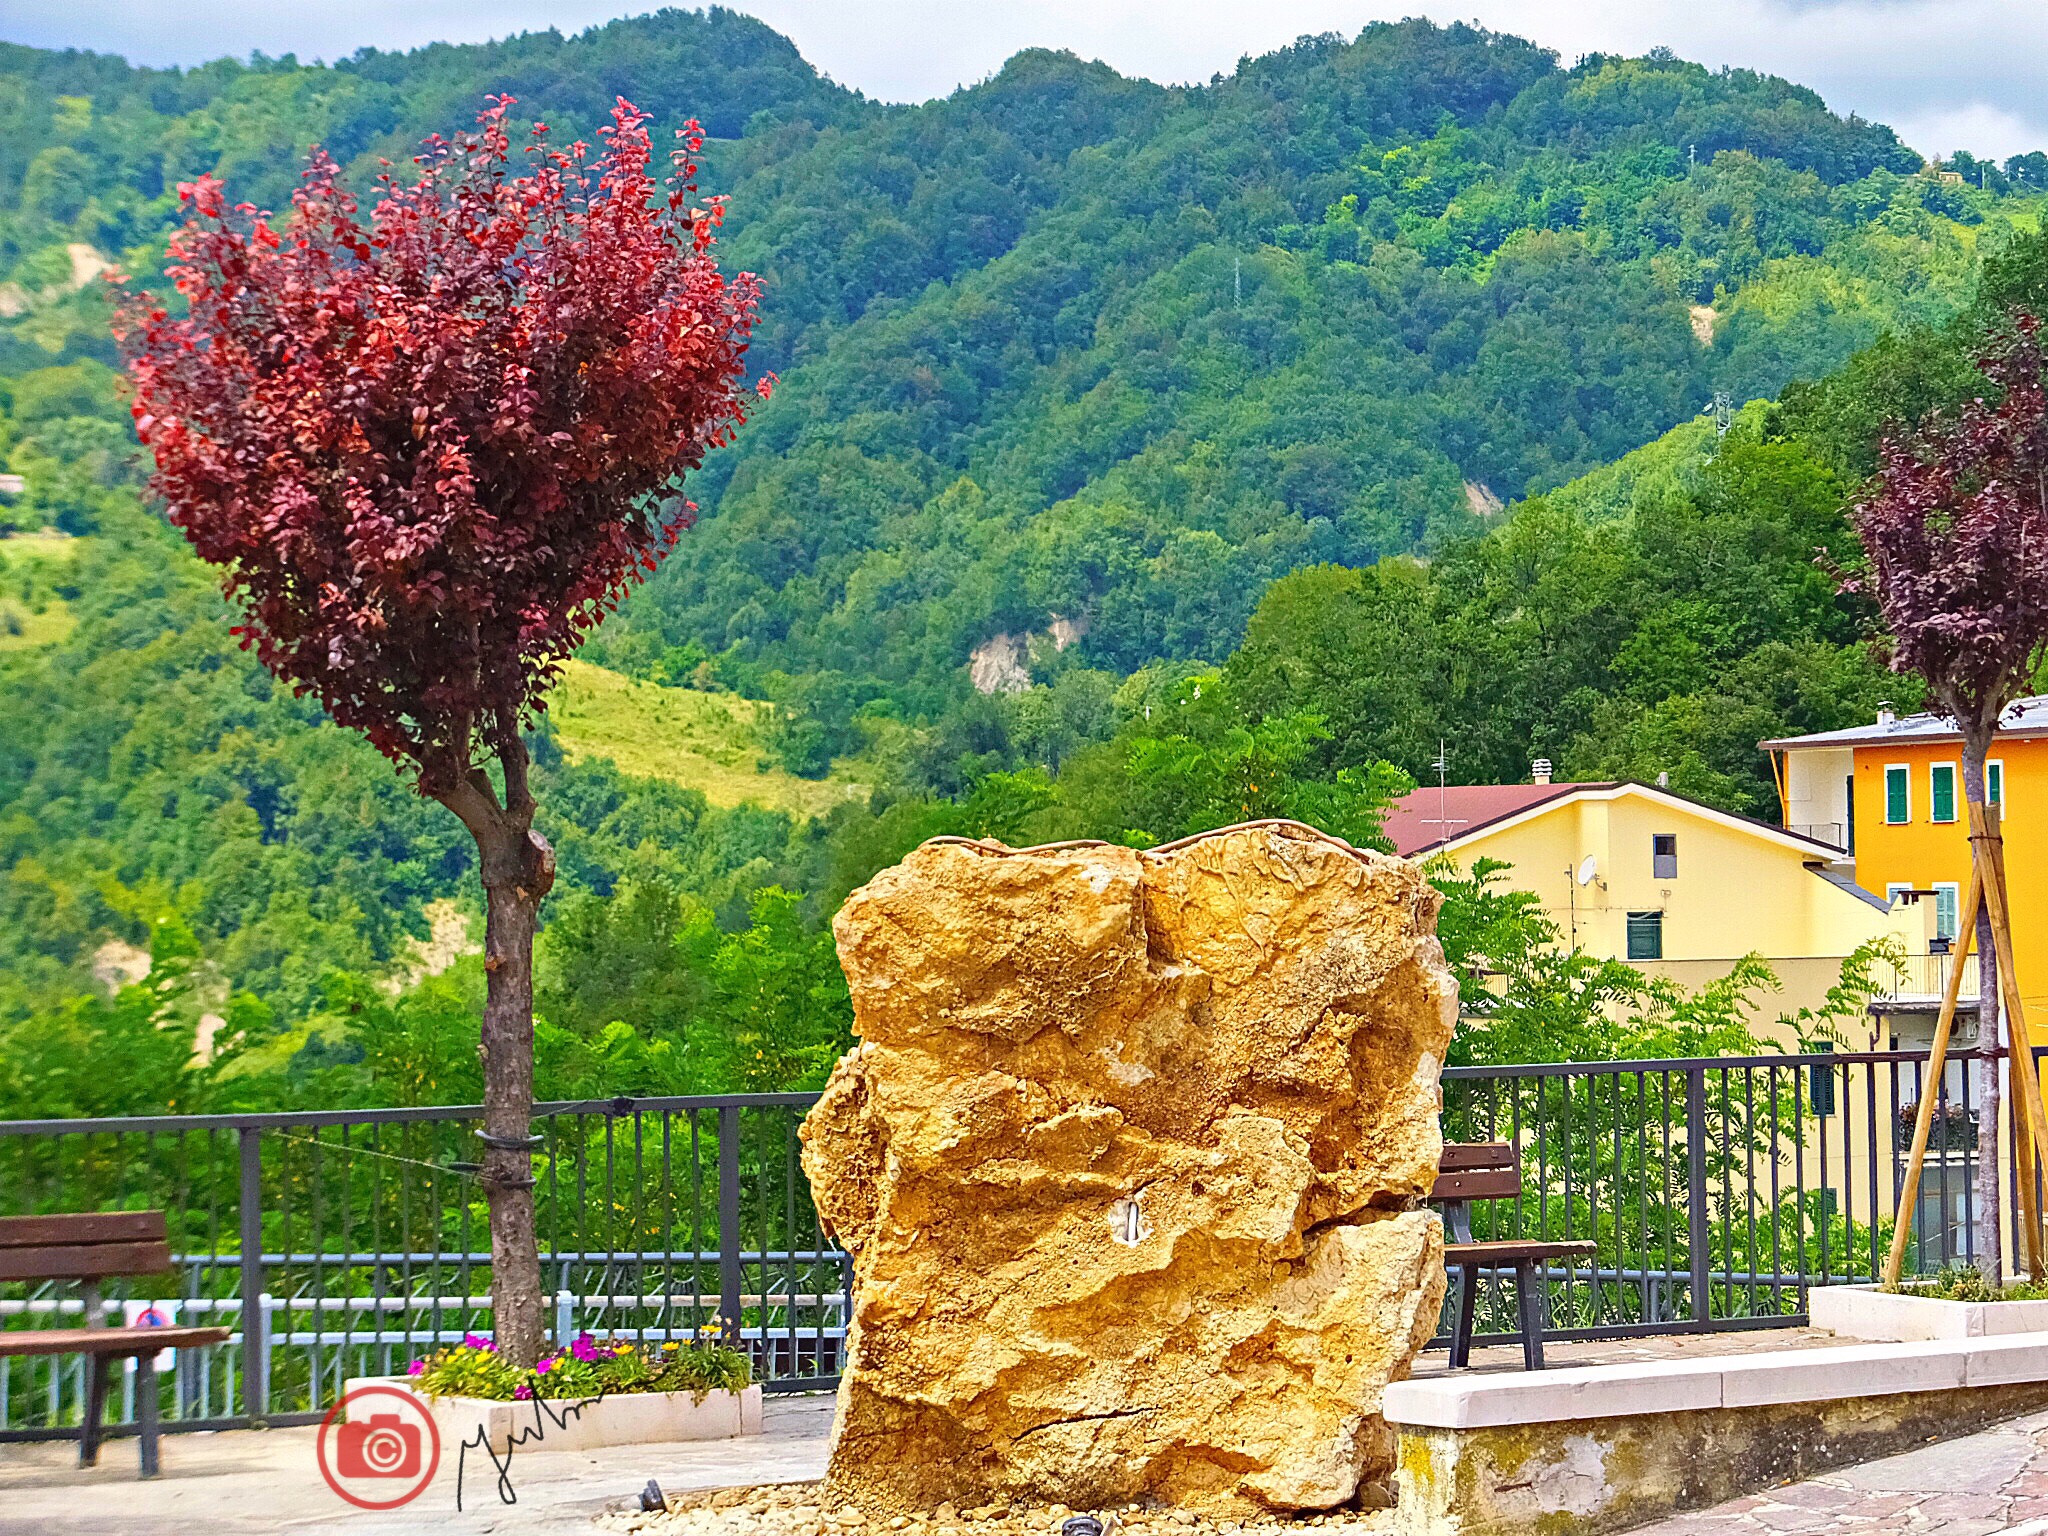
(1989,846)
(1930,1086)
(2027,1220)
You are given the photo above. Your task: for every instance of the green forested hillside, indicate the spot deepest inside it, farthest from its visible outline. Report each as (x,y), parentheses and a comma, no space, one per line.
(1066,346)
(1251,439)
(1319,312)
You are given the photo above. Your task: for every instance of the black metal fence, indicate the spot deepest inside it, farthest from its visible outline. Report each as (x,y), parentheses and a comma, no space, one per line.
(1719,1190)
(344,1243)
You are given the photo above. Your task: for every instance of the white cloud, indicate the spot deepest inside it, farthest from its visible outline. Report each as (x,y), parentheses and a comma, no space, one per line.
(1949,73)
(1977,126)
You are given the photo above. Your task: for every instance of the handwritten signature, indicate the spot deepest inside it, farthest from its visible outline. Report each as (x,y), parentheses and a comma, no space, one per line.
(547,1414)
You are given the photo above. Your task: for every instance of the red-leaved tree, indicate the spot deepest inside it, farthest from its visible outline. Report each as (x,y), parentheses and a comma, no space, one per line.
(1956,532)
(429,453)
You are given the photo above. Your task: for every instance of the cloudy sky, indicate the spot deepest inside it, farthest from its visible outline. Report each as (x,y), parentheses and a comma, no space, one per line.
(1947,74)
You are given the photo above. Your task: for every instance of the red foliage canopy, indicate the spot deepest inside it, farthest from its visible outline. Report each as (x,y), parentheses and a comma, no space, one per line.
(1956,530)
(432,452)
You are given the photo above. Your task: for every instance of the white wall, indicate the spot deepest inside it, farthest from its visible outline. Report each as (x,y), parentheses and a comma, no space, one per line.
(1817,792)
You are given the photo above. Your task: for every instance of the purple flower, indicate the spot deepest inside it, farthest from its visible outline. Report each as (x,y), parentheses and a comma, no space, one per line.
(522,1393)
(585,1348)
(545,1366)
(417,1368)
(479,1341)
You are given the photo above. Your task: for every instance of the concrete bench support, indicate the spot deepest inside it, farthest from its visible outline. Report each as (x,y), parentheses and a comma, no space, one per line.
(1603,1448)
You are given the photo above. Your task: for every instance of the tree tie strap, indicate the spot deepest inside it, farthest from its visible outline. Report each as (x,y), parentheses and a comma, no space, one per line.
(510,1143)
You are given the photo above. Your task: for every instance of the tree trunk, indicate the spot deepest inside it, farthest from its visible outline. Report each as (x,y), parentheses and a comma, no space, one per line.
(518,868)
(1986,1192)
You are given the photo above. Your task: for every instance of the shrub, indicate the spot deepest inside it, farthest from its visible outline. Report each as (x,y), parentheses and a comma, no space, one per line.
(1965,1283)
(585,1368)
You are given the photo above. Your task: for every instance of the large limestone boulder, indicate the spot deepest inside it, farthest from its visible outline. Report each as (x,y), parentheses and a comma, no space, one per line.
(1128,1160)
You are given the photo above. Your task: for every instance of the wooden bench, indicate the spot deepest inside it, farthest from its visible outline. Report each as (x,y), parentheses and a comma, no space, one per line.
(87,1249)
(1492,1170)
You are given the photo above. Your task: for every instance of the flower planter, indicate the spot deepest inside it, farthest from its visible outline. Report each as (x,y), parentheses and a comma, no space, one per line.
(568,1424)
(1867,1312)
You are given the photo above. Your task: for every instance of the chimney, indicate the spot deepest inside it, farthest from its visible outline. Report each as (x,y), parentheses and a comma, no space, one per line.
(1885,717)
(1539,771)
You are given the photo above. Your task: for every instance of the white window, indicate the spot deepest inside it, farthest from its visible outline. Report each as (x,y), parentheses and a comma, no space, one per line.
(1898,794)
(1947,909)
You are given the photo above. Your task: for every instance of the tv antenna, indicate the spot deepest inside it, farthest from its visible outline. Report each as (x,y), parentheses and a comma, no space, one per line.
(1583,875)
(1442,764)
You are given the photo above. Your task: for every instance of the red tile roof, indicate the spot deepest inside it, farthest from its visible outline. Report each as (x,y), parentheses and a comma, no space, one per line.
(1420,821)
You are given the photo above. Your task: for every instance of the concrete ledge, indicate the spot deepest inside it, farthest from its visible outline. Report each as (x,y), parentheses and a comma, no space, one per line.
(1853,1370)
(1731,1381)
(2002,1362)
(1591,1449)
(1867,1312)
(1601,1475)
(1467,1401)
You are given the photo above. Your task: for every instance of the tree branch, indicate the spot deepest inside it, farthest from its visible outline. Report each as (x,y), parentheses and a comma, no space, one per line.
(513,758)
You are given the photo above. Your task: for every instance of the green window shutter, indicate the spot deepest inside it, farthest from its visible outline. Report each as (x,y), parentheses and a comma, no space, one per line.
(1941,786)
(1946,917)
(1994,784)
(1646,935)
(1895,786)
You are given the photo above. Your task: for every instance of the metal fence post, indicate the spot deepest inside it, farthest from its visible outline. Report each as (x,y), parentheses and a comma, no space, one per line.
(255,1317)
(1698,1240)
(729,1271)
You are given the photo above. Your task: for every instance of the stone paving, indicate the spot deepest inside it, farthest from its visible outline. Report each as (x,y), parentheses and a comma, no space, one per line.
(1995,1481)
(1507,1358)
(247,1482)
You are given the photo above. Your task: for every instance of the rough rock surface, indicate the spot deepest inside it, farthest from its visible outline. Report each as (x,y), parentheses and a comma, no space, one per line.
(1128,1160)
(805,1509)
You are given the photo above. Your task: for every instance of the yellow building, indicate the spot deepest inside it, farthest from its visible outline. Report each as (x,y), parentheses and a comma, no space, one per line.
(1890,795)
(1634,872)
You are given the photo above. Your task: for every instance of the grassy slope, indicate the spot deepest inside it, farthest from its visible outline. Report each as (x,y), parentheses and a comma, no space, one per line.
(47,619)
(707,741)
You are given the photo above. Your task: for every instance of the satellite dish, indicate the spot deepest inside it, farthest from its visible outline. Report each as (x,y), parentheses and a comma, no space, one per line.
(1587,869)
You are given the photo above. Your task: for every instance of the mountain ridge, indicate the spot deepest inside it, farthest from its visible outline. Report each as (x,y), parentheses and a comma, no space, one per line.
(1066,344)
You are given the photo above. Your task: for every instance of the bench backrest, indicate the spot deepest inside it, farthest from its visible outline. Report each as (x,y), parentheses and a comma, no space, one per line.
(1478,1170)
(86,1247)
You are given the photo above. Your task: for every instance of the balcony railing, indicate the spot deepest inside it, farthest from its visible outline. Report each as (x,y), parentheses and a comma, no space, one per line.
(1834,833)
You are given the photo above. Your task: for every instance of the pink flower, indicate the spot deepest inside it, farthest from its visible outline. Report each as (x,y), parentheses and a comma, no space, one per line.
(585,1349)
(480,1341)
(545,1366)
(417,1368)
(522,1392)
